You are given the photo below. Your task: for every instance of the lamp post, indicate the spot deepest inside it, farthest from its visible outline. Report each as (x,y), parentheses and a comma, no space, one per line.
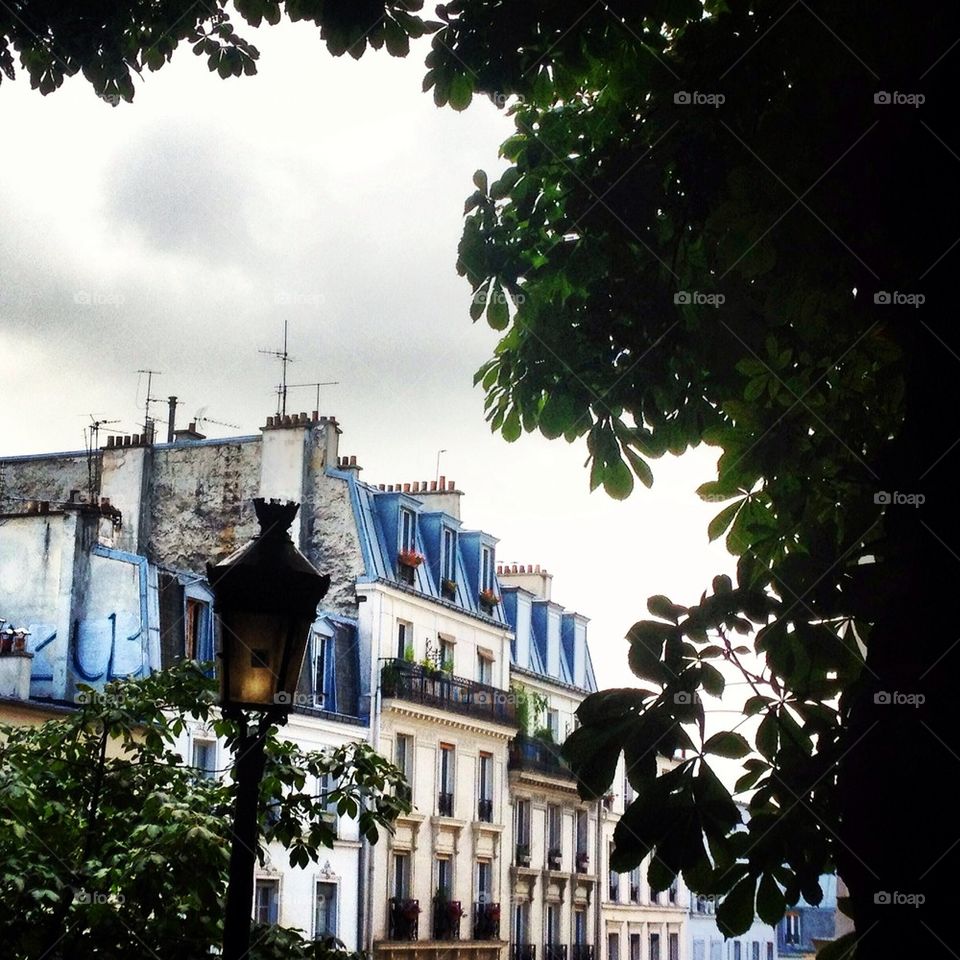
(266,596)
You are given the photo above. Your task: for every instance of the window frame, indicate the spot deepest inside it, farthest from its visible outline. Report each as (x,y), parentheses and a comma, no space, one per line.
(326,882)
(263,883)
(407,533)
(210,743)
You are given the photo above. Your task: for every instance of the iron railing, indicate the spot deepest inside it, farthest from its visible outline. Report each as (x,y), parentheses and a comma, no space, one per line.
(434,688)
(532,753)
(554,951)
(523,951)
(485,810)
(404,920)
(486,921)
(581,951)
(446,918)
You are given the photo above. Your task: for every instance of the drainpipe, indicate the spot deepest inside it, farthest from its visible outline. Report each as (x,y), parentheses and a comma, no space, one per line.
(597,936)
(367,920)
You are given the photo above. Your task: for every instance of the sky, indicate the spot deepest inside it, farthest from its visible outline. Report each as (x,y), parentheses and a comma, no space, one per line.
(180,232)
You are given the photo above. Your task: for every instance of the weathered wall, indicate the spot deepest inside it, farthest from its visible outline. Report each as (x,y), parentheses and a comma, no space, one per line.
(41,478)
(201,505)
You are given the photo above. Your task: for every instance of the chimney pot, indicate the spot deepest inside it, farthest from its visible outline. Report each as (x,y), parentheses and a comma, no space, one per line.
(105,503)
(110,440)
(514,568)
(381,486)
(443,482)
(303,417)
(316,416)
(126,440)
(406,488)
(416,486)
(353,461)
(451,485)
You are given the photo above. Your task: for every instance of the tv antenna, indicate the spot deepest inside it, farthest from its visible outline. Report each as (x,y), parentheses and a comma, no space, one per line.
(201,419)
(444,450)
(147,421)
(322,383)
(91,437)
(284,357)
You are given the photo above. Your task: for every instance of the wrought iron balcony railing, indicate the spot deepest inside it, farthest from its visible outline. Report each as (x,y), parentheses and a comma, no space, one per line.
(523,951)
(554,951)
(404,919)
(581,951)
(445,804)
(434,688)
(486,921)
(446,919)
(485,810)
(542,756)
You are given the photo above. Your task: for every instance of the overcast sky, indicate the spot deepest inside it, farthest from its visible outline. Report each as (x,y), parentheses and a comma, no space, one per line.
(178,233)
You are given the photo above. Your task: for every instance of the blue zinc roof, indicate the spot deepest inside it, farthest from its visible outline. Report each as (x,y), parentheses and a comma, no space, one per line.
(548,640)
(380,526)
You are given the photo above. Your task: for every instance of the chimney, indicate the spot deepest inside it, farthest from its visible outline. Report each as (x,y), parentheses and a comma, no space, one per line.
(171,418)
(190,433)
(530,577)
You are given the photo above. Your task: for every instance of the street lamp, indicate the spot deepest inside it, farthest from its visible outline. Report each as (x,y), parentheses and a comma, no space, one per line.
(266,596)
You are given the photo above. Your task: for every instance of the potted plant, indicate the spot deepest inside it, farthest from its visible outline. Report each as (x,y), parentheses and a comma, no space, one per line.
(488,598)
(409,558)
(544,733)
(408,654)
(583,861)
(448,588)
(447,666)
(410,910)
(523,854)
(388,680)
(553,858)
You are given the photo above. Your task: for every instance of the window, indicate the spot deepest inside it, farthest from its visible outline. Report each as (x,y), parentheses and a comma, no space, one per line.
(447,650)
(448,562)
(404,639)
(403,759)
(401,875)
(699,950)
(755,950)
(769,950)
(521,923)
(205,757)
(444,877)
(486,568)
(673,946)
(522,831)
(553,923)
(325,911)
(325,786)
(613,946)
(580,828)
(654,946)
(447,773)
(716,950)
(791,928)
(635,885)
(553,827)
(485,788)
(673,891)
(634,946)
(736,950)
(408,529)
(614,877)
(628,792)
(485,667)
(266,901)
(195,626)
(553,724)
(579,926)
(484,882)
(320,659)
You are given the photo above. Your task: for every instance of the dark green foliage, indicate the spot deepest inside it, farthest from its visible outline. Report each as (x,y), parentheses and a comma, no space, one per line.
(111,846)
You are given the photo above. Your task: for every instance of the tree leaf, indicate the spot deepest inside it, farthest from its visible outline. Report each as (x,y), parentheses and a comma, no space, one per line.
(727,744)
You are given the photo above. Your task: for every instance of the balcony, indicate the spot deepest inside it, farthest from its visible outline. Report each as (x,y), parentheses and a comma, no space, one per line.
(523,951)
(485,810)
(486,921)
(446,919)
(445,804)
(404,919)
(434,688)
(555,951)
(541,756)
(581,951)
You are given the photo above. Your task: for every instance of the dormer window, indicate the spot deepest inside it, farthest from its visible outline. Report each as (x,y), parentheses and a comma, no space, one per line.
(486,569)
(448,564)
(408,529)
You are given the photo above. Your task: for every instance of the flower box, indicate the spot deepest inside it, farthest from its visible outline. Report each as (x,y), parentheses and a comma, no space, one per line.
(409,558)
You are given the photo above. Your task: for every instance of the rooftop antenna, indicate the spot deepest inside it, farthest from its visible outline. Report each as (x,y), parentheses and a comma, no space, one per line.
(438,464)
(91,436)
(147,421)
(200,419)
(284,357)
(322,383)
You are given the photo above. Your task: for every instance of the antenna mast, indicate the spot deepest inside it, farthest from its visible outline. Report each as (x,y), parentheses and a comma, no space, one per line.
(284,357)
(147,421)
(322,383)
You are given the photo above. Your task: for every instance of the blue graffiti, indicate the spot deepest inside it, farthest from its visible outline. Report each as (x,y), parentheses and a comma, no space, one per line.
(98,655)
(42,668)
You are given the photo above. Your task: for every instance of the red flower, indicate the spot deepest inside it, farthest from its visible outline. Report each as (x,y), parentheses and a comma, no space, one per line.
(410,558)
